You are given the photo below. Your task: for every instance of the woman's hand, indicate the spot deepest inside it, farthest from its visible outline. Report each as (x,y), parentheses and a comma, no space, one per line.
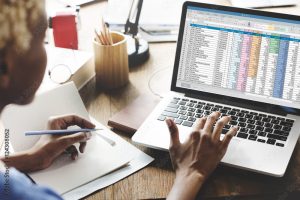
(195,159)
(49,147)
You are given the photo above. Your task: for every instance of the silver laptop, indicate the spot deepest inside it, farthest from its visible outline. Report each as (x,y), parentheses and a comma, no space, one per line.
(242,63)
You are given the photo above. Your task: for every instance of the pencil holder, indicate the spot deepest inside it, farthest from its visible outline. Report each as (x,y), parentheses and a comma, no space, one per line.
(111,63)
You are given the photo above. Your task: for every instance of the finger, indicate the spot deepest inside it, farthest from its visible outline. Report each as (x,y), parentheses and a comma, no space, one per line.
(73,151)
(211,120)
(219,126)
(174,134)
(228,136)
(82,146)
(70,120)
(199,124)
(69,140)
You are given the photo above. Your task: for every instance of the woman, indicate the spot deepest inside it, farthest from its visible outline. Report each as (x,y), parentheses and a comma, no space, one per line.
(22,66)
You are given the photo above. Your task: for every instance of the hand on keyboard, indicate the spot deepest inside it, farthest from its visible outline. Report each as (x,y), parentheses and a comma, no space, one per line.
(195,159)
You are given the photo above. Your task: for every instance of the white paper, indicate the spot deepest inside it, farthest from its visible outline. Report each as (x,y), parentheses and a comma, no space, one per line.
(139,161)
(64,174)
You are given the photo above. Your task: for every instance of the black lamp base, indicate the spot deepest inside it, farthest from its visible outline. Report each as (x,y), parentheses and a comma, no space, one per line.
(140,56)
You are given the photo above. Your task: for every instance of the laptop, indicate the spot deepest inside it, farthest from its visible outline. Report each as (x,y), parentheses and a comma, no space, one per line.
(243,63)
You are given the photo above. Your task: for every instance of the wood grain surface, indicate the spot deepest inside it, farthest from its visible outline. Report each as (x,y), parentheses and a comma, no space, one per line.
(156,180)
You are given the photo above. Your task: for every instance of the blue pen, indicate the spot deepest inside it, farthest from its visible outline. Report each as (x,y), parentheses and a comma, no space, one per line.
(69,132)
(60,132)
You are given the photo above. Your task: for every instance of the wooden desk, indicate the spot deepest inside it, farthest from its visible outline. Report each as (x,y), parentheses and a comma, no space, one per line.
(156,180)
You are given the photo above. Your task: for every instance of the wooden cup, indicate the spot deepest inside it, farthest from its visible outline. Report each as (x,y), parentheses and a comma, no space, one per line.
(111,62)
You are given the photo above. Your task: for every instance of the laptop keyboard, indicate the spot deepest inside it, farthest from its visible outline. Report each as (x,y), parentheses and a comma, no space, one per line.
(254,126)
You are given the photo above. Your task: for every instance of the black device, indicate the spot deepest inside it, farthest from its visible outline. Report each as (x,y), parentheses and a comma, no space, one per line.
(138,48)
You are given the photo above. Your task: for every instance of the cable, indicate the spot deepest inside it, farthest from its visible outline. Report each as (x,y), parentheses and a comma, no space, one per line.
(150,79)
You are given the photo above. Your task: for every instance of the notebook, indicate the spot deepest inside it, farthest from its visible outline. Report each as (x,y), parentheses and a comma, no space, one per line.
(63,175)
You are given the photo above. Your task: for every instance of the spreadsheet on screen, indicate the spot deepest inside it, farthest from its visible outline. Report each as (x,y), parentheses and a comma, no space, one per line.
(241,55)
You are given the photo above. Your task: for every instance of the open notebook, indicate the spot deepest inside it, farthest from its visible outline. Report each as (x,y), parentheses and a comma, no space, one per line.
(99,158)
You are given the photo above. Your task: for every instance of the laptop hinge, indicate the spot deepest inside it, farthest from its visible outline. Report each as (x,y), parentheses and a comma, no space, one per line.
(228,101)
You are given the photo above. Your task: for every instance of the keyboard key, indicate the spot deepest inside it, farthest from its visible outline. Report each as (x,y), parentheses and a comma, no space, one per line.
(268,130)
(178,121)
(191,109)
(248,116)
(244,130)
(250,121)
(215,109)
(259,123)
(251,126)
(268,125)
(282,133)
(192,119)
(198,115)
(174,101)
(244,111)
(190,104)
(170,114)
(275,121)
(259,128)
(173,110)
(187,123)
(218,106)
(233,122)
(224,131)
(198,106)
(286,124)
(173,105)
(277,127)
(183,108)
(185,99)
(261,140)
(266,119)
(190,114)
(271,141)
(227,108)
(261,133)
(183,117)
(193,101)
(206,107)
(277,137)
(241,119)
(176,98)
(199,111)
(182,112)
(290,121)
(236,110)
(279,144)
(242,135)
(227,126)
(234,118)
(182,103)
(257,118)
(242,124)
(161,118)
(252,137)
(253,132)
(286,128)
(240,114)
(223,111)
(231,113)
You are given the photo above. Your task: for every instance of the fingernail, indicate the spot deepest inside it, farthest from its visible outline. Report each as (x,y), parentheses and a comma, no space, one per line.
(88,135)
(169,123)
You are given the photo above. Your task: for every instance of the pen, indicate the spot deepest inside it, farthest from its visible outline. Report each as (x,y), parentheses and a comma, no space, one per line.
(60,132)
(69,132)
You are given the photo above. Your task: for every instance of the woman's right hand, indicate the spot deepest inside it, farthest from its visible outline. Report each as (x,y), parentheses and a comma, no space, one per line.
(196,158)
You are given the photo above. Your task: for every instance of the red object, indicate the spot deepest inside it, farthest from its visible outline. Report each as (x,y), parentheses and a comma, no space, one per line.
(65,32)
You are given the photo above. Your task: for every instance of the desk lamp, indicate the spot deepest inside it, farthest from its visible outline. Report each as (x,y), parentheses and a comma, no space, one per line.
(138,48)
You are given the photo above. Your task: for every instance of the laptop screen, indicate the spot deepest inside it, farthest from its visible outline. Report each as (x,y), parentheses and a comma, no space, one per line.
(247,56)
